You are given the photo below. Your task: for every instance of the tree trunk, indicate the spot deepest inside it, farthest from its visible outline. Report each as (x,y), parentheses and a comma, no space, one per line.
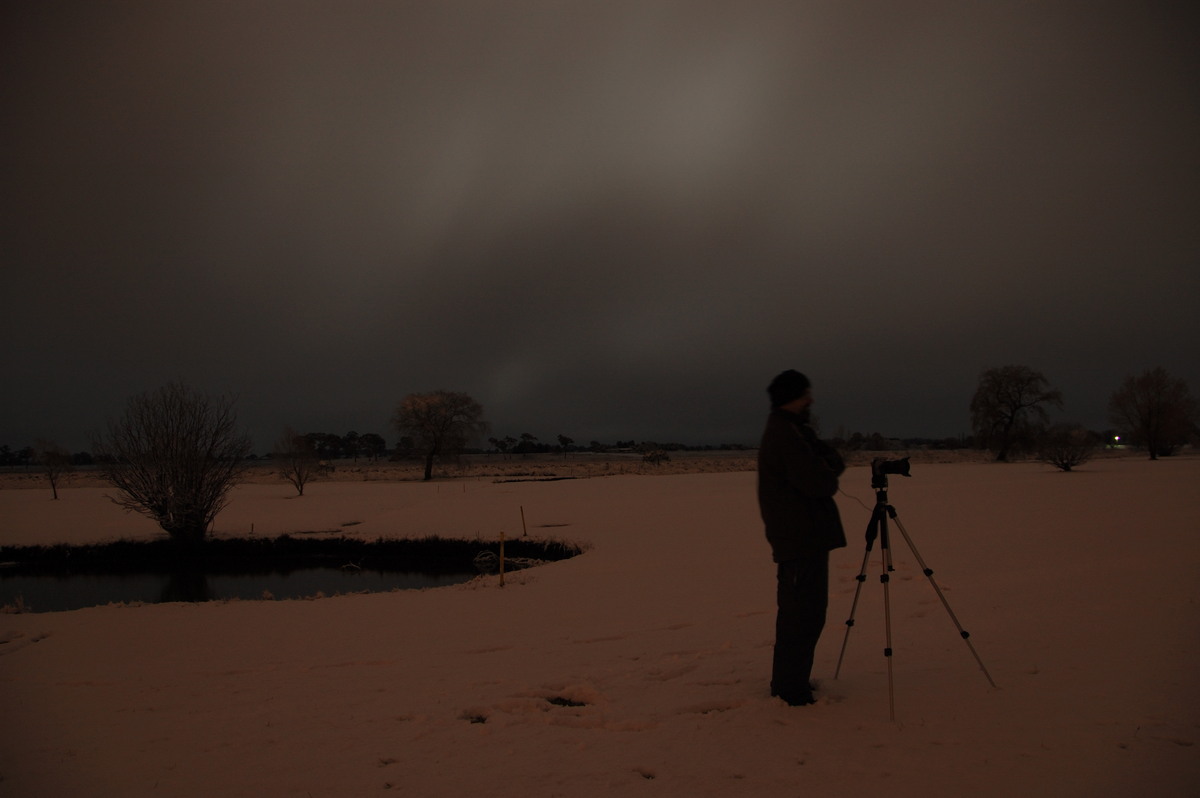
(187,532)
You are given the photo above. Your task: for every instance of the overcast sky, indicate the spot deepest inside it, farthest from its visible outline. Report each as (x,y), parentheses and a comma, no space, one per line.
(609,220)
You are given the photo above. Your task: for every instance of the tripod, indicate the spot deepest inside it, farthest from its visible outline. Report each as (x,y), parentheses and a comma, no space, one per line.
(877,527)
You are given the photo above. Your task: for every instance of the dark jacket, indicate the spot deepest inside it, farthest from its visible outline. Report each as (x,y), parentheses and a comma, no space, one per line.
(797,479)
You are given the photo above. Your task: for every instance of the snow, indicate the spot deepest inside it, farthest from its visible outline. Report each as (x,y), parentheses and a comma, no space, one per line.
(640,667)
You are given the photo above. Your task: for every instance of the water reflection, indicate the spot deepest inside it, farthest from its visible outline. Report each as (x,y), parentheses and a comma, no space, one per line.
(185,586)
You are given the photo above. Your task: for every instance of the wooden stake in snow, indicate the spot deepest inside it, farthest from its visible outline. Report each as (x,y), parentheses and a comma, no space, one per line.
(524,529)
(501,559)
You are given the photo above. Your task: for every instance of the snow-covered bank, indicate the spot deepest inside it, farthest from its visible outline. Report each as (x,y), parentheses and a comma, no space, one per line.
(643,664)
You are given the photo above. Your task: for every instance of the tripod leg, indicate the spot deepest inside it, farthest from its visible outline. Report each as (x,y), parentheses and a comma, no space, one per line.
(885,579)
(862,577)
(872,531)
(966,636)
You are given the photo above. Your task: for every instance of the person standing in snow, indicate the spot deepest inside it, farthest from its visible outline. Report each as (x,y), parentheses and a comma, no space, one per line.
(797,479)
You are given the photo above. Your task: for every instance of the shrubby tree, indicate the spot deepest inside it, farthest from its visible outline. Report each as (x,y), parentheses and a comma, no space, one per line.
(351,444)
(529,443)
(1065,446)
(327,445)
(372,445)
(1155,410)
(174,456)
(655,457)
(1008,409)
(297,458)
(499,444)
(22,457)
(440,424)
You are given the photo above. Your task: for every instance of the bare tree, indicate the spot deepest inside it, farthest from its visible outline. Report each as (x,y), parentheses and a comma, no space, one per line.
(1065,446)
(297,458)
(54,461)
(174,456)
(1154,410)
(1008,408)
(440,423)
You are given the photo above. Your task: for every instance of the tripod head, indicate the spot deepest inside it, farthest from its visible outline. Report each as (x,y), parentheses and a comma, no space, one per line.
(880,468)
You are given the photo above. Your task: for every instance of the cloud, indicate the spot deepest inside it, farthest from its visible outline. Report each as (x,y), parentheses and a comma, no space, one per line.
(615,217)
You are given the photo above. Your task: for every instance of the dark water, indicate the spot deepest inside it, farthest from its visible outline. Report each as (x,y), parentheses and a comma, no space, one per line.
(54,593)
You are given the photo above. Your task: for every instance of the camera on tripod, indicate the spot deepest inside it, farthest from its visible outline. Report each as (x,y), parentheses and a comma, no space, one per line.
(881,467)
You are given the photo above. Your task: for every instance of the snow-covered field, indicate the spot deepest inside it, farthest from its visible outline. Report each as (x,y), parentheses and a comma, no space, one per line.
(640,667)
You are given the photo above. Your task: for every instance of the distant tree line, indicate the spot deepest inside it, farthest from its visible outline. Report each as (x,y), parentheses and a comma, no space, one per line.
(175,453)
(1009,416)
(330,446)
(327,446)
(27,456)
(875,442)
(530,444)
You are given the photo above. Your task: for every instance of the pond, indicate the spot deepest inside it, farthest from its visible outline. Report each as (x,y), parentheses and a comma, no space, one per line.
(57,578)
(58,592)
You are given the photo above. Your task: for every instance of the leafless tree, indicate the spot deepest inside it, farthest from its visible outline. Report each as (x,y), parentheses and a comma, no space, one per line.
(54,461)
(174,456)
(297,458)
(440,423)
(1065,446)
(1008,408)
(1154,410)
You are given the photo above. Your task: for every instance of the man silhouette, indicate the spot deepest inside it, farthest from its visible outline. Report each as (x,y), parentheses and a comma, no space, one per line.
(797,479)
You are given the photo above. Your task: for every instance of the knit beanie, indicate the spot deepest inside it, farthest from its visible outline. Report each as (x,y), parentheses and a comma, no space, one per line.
(789,385)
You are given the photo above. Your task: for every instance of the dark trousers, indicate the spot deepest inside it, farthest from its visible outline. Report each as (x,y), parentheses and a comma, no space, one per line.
(802,597)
